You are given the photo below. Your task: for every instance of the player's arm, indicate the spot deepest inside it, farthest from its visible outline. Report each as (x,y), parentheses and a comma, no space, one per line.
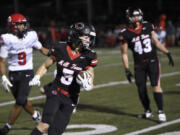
(5,81)
(162,48)
(90,70)
(124,55)
(158,43)
(41,72)
(2,66)
(3,55)
(44,51)
(86,78)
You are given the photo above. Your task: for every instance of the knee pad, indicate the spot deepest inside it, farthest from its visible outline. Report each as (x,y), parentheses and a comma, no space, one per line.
(21,101)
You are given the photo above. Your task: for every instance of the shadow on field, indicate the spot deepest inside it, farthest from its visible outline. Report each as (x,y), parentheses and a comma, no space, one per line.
(171,92)
(109,110)
(39,105)
(102,109)
(22,128)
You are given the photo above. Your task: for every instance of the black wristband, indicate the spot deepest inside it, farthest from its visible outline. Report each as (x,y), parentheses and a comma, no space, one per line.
(168,54)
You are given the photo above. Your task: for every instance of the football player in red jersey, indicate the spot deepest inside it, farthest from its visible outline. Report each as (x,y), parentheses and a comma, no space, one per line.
(17,47)
(139,36)
(72,58)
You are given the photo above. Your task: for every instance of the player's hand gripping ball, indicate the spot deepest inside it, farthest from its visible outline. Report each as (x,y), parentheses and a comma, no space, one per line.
(84,79)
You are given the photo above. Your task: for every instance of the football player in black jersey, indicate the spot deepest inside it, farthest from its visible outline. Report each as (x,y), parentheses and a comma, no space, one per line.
(72,58)
(139,36)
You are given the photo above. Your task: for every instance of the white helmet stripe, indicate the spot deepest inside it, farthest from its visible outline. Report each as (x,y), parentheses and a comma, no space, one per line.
(92,33)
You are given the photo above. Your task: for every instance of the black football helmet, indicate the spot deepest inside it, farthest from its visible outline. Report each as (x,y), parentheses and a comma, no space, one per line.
(132,12)
(78,30)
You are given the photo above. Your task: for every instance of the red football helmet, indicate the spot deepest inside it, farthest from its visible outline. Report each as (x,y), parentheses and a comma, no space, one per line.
(15,19)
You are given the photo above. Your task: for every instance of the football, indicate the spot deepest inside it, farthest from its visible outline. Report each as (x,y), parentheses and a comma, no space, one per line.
(82,77)
(82,74)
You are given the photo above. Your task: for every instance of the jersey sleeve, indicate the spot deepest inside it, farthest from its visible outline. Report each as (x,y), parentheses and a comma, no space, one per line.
(92,60)
(3,51)
(36,43)
(149,26)
(122,37)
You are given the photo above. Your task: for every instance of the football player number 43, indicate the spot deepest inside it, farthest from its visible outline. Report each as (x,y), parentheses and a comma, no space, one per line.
(22,58)
(139,46)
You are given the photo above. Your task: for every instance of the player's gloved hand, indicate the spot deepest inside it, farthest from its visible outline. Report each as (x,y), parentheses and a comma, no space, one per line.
(6,83)
(35,81)
(128,74)
(85,82)
(171,61)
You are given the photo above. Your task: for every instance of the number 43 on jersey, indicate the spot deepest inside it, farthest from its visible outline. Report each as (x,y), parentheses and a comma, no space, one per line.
(142,44)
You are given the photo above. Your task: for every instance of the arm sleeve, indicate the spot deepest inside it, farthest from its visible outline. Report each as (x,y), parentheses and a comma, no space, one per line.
(3,52)
(36,43)
(93,61)
(122,37)
(151,27)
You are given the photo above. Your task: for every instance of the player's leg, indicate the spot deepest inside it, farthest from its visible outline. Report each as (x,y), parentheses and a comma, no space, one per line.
(141,77)
(63,117)
(24,91)
(154,74)
(16,110)
(49,111)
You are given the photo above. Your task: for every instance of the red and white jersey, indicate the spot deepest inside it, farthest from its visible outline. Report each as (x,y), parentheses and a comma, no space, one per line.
(19,52)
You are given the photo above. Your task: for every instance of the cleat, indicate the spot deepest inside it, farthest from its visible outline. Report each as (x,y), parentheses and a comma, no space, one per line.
(4,130)
(161,116)
(38,117)
(148,114)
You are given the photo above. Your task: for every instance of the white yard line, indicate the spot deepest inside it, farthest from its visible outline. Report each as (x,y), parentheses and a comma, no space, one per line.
(95,87)
(154,127)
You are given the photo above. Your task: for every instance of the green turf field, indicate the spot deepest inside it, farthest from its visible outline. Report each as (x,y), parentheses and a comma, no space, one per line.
(113,102)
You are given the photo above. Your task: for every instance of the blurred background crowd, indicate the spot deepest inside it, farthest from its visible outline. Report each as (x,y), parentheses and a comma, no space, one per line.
(51,18)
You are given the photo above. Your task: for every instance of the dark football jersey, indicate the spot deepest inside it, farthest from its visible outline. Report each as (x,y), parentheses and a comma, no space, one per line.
(69,65)
(140,42)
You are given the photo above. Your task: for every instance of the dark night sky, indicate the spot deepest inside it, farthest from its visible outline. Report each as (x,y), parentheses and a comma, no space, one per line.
(41,11)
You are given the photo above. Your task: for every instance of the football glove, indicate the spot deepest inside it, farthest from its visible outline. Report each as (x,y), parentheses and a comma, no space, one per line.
(6,83)
(128,74)
(171,61)
(85,81)
(35,81)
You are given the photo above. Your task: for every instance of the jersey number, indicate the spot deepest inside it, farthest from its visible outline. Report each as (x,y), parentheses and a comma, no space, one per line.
(138,46)
(22,58)
(67,77)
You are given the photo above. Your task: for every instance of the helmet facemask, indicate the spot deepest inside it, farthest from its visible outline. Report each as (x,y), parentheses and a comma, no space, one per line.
(81,35)
(134,16)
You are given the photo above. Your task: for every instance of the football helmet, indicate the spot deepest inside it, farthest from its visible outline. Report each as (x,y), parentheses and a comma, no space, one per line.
(132,12)
(78,33)
(14,20)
